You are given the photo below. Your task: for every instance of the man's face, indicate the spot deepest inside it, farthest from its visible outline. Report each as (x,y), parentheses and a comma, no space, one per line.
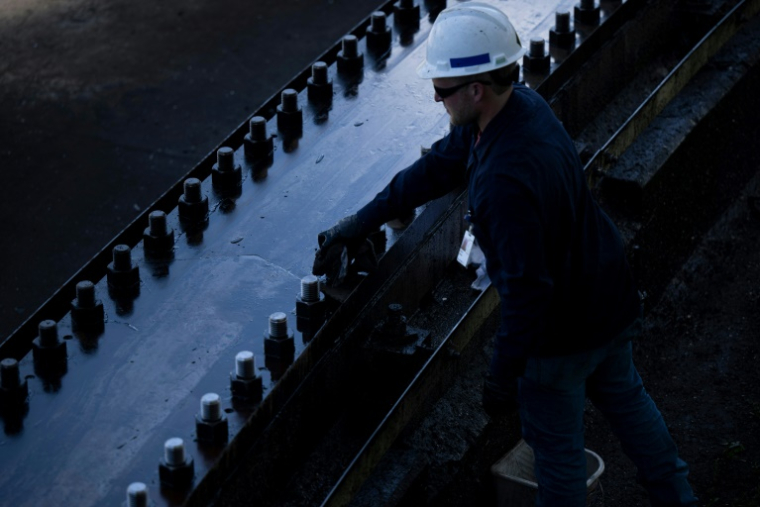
(460,104)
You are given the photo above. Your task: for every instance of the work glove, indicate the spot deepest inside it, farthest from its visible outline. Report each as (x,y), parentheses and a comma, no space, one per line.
(343,251)
(500,386)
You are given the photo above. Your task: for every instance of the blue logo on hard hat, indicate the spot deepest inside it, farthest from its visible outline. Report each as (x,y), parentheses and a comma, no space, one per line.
(470,61)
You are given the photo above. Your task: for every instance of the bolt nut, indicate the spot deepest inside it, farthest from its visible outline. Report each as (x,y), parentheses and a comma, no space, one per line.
(379,35)
(216,432)
(137,495)
(258,146)
(537,47)
(406,14)
(536,60)
(311,310)
(158,238)
(48,333)
(47,349)
(562,36)
(192,205)
(211,407)
(279,347)
(87,313)
(395,321)
(13,389)
(210,424)
(587,13)
(246,388)
(278,325)
(311,307)
(310,289)
(225,174)
(85,294)
(176,470)
(278,339)
(245,364)
(289,114)
(349,60)
(319,86)
(122,273)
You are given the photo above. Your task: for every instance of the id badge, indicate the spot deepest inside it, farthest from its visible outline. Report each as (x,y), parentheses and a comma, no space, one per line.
(465,250)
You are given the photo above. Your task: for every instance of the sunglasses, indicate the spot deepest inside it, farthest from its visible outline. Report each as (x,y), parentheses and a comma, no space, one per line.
(448,92)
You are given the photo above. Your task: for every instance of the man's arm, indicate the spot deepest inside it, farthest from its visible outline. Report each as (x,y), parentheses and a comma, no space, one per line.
(511,219)
(435,174)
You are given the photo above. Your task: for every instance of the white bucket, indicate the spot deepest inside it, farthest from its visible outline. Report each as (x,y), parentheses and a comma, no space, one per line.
(516,482)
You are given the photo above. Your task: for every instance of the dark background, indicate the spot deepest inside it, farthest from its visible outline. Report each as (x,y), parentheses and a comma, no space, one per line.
(105,105)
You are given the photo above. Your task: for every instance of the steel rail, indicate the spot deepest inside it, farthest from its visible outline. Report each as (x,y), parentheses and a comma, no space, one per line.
(607,60)
(427,384)
(606,157)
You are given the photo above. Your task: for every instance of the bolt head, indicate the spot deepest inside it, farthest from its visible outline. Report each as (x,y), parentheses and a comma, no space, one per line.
(192,212)
(158,244)
(311,311)
(586,16)
(178,477)
(258,150)
(214,432)
(48,355)
(538,65)
(226,179)
(281,348)
(565,40)
(123,280)
(87,318)
(246,388)
(13,398)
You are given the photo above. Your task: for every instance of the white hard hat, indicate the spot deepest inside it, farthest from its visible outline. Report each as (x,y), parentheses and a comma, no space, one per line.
(468,39)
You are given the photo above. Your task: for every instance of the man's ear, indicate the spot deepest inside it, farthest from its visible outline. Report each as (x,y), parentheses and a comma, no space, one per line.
(478,91)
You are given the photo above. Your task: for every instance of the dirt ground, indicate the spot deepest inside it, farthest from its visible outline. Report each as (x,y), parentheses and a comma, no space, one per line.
(698,358)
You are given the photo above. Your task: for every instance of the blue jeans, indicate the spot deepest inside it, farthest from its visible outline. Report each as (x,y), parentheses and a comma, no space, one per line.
(552,396)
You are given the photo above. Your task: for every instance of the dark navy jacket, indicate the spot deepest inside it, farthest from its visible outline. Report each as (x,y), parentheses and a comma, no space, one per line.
(556,259)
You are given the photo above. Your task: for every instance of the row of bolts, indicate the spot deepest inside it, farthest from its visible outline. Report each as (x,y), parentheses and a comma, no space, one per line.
(258,145)
(176,469)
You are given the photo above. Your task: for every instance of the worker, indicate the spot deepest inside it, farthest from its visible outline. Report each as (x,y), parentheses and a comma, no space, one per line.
(569,305)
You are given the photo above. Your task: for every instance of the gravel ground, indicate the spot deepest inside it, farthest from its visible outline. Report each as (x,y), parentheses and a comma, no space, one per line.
(698,358)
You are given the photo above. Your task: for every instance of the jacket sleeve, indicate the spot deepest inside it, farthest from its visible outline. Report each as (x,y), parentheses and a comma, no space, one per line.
(510,217)
(433,175)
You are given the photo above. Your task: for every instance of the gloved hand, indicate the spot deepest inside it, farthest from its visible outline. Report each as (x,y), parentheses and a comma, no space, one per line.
(499,400)
(347,229)
(344,250)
